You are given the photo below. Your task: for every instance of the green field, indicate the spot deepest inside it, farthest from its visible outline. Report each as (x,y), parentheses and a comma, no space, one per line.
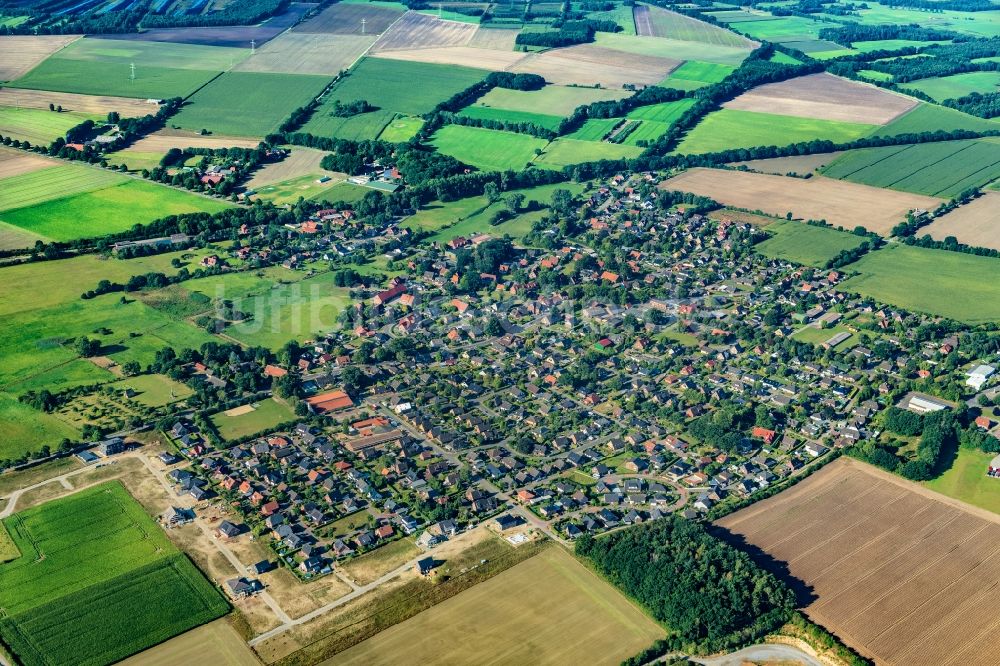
(362,127)
(942,169)
(409,88)
(891,44)
(553,100)
(563,152)
(266,414)
(805,243)
(109,210)
(489,150)
(154,390)
(672,48)
(950,284)
(785,29)
(695,74)
(264,100)
(505,115)
(91,564)
(668,112)
(103,67)
(570,613)
(289,191)
(38,126)
(930,117)
(730,128)
(818,336)
(956,85)
(24,429)
(437,214)
(967,481)
(60,181)
(621,15)
(401,129)
(594,129)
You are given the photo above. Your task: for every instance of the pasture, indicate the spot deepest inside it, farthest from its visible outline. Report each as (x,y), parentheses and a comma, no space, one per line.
(805,243)
(19,54)
(896,571)
(361,127)
(957,85)
(307,186)
(563,152)
(113,209)
(727,129)
(653,21)
(785,29)
(506,115)
(590,65)
(966,480)
(489,150)
(594,129)
(695,74)
(24,429)
(976,223)
(931,117)
(55,181)
(37,126)
(571,615)
(265,101)
(103,67)
(262,416)
(303,53)
(839,203)
(550,100)
(91,563)
(155,390)
(942,169)
(825,97)
(938,282)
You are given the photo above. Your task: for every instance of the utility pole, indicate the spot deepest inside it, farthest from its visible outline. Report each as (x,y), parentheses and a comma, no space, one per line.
(253,46)
(363,21)
(131,75)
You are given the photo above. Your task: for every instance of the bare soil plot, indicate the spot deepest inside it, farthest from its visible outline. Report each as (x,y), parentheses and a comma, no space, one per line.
(900,573)
(15,162)
(494,38)
(301,162)
(97,104)
(345,19)
(420,31)
(20,54)
(308,53)
(163,140)
(838,202)
(826,97)
(465,56)
(588,65)
(976,223)
(799,165)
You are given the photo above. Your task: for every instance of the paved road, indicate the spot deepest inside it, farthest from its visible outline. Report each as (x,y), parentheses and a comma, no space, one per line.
(780,653)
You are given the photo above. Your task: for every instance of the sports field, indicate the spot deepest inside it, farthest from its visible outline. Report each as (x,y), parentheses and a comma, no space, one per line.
(264,101)
(570,614)
(805,243)
(931,117)
(895,571)
(106,210)
(93,563)
(731,128)
(489,150)
(956,85)
(942,169)
(104,67)
(258,417)
(938,282)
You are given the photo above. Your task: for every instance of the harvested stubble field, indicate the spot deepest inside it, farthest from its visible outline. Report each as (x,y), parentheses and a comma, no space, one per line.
(420,31)
(657,22)
(586,64)
(826,97)
(901,574)
(98,105)
(345,19)
(300,162)
(976,223)
(215,643)
(14,162)
(799,165)
(308,53)
(837,202)
(464,56)
(20,54)
(494,38)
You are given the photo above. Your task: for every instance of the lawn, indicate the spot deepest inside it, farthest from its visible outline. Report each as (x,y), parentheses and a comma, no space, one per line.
(93,563)
(967,481)
(553,100)
(489,150)
(728,129)
(107,211)
(103,67)
(956,85)
(944,168)
(264,101)
(401,129)
(805,243)
(930,117)
(570,614)
(563,152)
(938,282)
(38,126)
(155,390)
(265,414)
(289,191)
(439,214)
(372,565)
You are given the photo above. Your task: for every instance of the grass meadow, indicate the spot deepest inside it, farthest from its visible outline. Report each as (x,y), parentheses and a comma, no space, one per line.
(59,181)
(731,128)
(248,103)
(805,243)
(93,563)
(401,129)
(489,150)
(938,282)
(266,414)
(505,115)
(362,127)
(38,126)
(957,85)
(553,100)
(25,429)
(966,480)
(695,74)
(563,152)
